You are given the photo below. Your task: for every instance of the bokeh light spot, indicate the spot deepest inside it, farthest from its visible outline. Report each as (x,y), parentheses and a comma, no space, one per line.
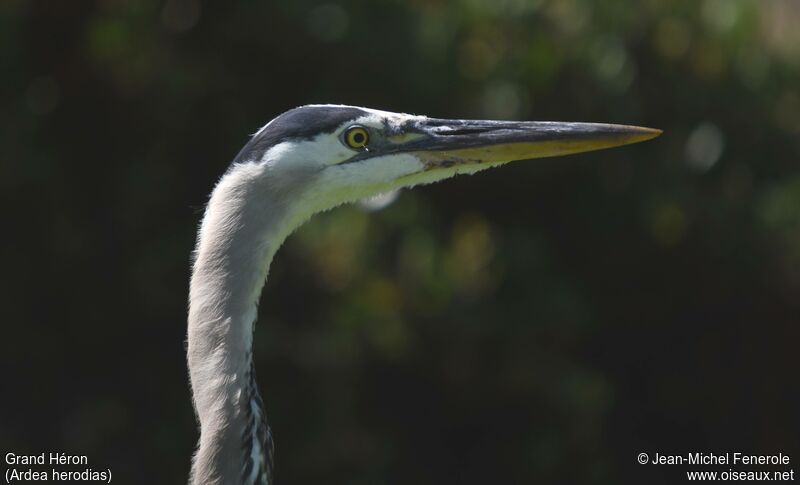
(477,58)
(611,63)
(668,225)
(672,38)
(504,100)
(708,61)
(470,255)
(704,146)
(721,15)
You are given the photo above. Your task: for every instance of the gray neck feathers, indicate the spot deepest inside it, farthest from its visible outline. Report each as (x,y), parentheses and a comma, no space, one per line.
(244,224)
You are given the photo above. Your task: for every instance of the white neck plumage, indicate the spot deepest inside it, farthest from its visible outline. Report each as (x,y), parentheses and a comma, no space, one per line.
(235,246)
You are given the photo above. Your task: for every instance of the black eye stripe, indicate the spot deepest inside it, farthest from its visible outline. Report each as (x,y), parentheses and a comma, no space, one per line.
(302,123)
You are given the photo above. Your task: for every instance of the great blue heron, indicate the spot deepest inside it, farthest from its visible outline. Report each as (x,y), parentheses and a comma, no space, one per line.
(308,160)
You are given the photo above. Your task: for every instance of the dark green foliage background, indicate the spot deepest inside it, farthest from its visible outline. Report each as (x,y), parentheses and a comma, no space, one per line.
(545,322)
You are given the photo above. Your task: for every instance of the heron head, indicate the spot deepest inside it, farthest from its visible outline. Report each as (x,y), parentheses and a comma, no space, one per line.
(330,154)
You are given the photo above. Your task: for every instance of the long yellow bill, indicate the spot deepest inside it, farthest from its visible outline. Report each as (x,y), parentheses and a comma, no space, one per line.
(444,143)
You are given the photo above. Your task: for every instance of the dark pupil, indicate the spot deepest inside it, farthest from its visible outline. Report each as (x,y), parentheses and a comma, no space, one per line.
(358,138)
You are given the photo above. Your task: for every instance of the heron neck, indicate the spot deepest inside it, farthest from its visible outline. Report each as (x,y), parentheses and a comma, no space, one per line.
(240,233)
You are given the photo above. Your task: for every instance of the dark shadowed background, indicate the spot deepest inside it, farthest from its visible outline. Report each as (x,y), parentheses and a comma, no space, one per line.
(545,322)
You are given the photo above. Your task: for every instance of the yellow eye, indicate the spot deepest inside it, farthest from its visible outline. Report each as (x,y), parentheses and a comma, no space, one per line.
(356,137)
